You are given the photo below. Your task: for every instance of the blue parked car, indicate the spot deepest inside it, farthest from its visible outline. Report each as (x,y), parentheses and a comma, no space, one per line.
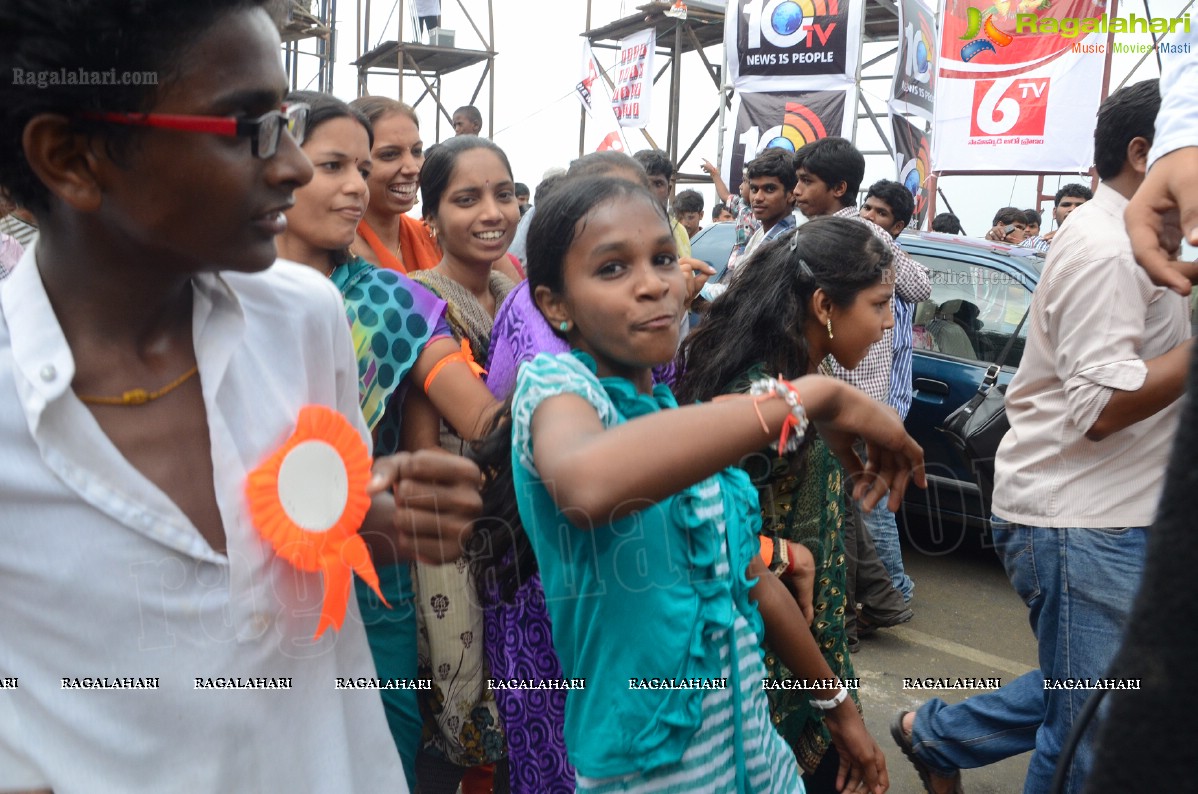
(980,291)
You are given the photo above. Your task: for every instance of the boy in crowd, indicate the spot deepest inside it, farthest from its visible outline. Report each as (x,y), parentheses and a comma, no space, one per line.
(661,178)
(688,211)
(946,223)
(721,213)
(889,205)
(467,121)
(1067,199)
(1009,226)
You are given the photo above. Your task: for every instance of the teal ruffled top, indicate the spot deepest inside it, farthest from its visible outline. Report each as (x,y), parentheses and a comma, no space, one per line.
(651,595)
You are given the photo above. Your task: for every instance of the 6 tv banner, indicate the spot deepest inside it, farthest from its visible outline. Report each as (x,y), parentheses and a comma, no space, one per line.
(915,78)
(775,44)
(912,160)
(1011,96)
(784,119)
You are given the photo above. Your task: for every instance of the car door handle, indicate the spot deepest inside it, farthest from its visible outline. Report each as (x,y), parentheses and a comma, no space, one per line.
(931,386)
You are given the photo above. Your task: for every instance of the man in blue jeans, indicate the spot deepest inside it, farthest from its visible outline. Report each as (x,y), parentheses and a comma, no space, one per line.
(1093,411)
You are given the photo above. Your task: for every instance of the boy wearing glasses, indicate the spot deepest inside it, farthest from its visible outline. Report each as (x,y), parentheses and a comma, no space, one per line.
(149,360)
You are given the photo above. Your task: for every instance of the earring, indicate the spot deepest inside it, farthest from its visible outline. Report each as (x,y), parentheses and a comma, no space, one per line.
(830,328)
(565,326)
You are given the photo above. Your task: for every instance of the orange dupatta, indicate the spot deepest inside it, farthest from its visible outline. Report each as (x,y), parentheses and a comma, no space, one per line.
(416,246)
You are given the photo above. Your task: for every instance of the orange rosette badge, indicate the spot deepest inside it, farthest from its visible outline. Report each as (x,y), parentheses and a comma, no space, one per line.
(308,501)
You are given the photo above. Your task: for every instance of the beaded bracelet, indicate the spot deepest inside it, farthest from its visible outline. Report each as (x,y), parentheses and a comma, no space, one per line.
(796,420)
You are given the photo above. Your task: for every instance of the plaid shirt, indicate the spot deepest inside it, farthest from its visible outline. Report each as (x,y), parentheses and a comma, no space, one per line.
(885,372)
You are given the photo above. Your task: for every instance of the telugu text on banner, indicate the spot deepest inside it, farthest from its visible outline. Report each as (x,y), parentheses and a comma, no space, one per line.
(634,79)
(1016,101)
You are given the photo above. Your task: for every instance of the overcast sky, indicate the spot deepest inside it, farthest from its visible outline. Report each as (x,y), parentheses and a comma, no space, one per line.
(537,116)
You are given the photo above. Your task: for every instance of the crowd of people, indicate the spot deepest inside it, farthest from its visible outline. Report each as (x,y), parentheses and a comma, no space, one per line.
(615,548)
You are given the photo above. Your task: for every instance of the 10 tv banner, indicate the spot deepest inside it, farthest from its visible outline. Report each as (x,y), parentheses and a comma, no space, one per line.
(793,64)
(785,120)
(801,44)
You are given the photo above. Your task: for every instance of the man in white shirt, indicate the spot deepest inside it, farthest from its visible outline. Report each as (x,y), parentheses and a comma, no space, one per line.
(1093,411)
(149,360)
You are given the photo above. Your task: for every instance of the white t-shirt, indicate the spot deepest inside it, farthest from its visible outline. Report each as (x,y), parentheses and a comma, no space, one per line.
(103,577)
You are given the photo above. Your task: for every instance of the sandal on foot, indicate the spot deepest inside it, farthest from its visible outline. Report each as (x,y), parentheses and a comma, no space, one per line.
(926,774)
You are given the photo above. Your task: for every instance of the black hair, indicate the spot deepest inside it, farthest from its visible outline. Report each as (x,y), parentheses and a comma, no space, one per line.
(688,201)
(546,186)
(377,107)
(500,555)
(896,196)
(603,163)
(440,162)
(1033,217)
(326,107)
(946,223)
(472,115)
(655,162)
(834,160)
(762,317)
(522,189)
(145,42)
(718,208)
(1128,113)
(776,163)
(1072,190)
(563,215)
(1008,215)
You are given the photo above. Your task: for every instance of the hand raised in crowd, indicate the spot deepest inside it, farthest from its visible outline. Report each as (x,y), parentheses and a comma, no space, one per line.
(436,499)
(1001,234)
(697,272)
(1163,211)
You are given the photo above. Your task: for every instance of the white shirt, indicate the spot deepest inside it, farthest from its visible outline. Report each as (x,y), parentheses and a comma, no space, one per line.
(101,575)
(1095,319)
(1177,120)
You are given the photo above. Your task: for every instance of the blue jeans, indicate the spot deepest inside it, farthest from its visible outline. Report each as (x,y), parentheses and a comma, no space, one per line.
(1079,585)
(882,528)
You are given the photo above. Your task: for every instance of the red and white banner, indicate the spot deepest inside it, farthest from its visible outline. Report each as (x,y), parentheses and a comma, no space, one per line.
(605,132)
(634,79)
(1012,98)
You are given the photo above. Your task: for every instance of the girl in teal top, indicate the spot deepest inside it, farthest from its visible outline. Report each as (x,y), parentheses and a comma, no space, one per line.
(644,537)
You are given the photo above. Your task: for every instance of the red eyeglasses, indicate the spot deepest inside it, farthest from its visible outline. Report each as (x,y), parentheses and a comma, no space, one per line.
(264,132)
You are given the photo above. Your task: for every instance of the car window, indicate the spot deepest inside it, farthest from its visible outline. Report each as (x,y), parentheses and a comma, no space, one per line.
(973,311)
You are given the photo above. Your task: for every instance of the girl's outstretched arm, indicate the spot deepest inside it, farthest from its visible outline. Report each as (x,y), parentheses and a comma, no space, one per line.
(789,636)
(604,474)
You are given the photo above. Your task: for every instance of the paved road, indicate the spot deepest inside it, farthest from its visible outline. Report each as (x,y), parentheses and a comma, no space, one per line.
(968,623)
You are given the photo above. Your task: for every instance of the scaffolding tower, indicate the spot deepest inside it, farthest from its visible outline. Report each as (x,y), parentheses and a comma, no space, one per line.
(308,35)
(428,62)
(703,27)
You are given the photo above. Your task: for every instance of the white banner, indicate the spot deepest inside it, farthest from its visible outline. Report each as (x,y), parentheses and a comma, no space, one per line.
(798,45)
(634,79)
(592,92)
(1013,94)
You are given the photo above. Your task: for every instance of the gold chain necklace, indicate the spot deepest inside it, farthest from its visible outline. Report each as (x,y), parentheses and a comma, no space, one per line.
(141,396)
